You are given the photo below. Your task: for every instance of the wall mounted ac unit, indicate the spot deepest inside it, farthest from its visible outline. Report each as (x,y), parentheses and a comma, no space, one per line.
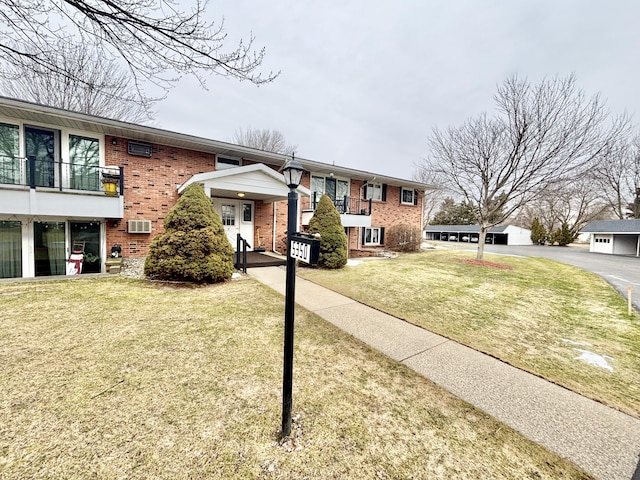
(139,149)
(139,226)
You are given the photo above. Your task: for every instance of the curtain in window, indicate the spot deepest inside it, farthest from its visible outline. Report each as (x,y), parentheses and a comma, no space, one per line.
(53,238)
(10,249)
(317,188)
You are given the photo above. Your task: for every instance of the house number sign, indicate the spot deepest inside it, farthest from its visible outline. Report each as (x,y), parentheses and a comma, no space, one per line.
(304,248)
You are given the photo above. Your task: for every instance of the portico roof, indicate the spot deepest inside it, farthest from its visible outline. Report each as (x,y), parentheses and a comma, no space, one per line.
(251,182)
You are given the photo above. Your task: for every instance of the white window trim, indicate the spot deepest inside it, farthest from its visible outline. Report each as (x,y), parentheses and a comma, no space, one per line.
(325,176)
(373,188)
(223,166)
(413,194)
(82,133)
(252,206)
(365,243)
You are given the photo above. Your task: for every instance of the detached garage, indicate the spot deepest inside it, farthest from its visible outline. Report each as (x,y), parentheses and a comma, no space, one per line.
(617,237)
(499,235)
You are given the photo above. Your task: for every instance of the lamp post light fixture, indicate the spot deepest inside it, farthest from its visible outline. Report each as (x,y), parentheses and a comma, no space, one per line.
(292,172)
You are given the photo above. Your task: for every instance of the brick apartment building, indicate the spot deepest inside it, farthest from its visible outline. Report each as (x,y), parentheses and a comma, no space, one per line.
(71,181)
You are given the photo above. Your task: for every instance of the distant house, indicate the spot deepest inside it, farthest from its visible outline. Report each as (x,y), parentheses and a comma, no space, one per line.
(499,235)
(618,237)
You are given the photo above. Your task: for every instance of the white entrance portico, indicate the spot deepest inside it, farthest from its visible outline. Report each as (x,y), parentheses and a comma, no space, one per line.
(234,193)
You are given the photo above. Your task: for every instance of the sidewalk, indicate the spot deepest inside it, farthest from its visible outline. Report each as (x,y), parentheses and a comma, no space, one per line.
(601,440)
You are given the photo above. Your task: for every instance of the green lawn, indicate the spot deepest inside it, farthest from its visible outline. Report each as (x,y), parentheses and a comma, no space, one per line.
(113,378)
(537,314)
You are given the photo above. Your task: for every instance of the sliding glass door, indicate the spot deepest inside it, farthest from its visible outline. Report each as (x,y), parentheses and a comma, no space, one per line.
(10,249)
(50,248)
(86,236)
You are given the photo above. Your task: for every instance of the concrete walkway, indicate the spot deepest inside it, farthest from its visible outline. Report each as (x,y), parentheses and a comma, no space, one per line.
(601,440)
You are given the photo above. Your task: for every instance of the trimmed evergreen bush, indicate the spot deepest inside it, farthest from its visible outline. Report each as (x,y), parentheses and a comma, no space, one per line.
(403,238)
(194,246)
(333,240)
(562,236)
(538,232)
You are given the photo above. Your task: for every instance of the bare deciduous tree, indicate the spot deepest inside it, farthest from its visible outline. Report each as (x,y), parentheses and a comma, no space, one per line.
(91,84)
(574,202)
(617,173)
(265,139)
(157,40)
(432,200)
(541,134)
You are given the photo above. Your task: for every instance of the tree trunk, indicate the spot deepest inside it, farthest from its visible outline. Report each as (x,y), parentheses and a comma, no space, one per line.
(481,240)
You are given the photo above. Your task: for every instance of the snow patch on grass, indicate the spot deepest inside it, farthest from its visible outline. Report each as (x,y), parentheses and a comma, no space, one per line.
(594,359)
(585,344)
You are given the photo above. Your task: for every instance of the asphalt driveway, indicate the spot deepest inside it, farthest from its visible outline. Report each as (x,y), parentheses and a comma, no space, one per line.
(620,271)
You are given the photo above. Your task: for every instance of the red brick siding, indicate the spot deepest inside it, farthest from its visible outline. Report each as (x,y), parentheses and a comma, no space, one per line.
(385,214)
(150,189)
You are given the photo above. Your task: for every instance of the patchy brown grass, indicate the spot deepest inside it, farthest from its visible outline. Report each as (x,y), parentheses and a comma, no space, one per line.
(111,378)
(536,315)
(485,263)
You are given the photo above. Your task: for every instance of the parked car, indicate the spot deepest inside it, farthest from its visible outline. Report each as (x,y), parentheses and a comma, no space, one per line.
(474,239)
(465,238)
(453,238)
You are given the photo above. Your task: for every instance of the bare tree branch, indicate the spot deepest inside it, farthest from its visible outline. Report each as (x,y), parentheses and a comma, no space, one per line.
(87,82)
(617,173)
(541,135)
(265,139)
(156,39)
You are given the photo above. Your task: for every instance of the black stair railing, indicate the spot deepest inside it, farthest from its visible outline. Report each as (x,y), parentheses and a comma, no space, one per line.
(241,253)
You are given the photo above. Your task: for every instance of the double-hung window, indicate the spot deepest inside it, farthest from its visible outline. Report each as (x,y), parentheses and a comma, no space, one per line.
(408,197)
(375,191)
(373,236)
(337,189)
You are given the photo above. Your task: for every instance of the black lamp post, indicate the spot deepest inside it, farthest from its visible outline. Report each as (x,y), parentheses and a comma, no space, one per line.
(292,175)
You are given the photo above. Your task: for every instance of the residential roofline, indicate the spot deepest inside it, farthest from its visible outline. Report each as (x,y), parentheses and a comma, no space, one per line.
(30,111)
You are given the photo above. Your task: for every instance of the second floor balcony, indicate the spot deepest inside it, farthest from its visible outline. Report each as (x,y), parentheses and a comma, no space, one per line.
(59,175)
(32,186)
(354,212)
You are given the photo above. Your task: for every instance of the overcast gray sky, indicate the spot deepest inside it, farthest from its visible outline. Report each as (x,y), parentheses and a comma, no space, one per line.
(364,82)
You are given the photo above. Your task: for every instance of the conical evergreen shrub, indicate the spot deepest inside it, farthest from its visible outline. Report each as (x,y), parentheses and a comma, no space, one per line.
(538,232)
(194,246)
(562,236)
(333,241)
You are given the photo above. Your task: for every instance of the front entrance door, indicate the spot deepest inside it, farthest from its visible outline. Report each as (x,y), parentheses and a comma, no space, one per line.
(237,217)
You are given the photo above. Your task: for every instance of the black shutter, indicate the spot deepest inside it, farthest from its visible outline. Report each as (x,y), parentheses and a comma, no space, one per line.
(415,197)
(364,235)
(381,235)
(384,192)
(365,192)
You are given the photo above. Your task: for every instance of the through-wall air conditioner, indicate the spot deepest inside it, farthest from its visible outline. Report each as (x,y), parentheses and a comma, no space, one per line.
(139,226)
(139,149)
